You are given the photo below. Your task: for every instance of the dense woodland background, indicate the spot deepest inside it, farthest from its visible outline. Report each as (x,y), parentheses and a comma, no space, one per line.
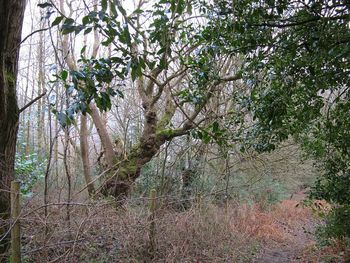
(236,113)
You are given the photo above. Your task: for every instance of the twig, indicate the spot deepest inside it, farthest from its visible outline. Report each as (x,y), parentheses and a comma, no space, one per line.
(53,245)
(24,39)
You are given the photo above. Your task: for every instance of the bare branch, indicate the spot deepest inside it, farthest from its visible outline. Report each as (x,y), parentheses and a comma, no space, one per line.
(33,101)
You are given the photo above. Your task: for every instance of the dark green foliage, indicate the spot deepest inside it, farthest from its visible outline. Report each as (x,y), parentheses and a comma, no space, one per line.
(338,225)
(29,170)
(30,164)
(44,5)
(95,80)
(296,68)
(171,37)
(213,133)
(293,55)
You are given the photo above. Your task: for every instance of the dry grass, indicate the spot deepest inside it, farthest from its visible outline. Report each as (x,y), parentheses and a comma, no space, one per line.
(106,235)
(98,232)
(271,225)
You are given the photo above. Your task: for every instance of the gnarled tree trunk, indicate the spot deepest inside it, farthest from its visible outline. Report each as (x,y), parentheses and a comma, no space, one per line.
(129,169)
(153,137)
(11,18)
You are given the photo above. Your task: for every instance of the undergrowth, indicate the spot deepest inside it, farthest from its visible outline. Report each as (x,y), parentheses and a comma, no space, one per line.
(100,232)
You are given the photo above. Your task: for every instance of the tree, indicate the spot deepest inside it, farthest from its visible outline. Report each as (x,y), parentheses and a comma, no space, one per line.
(297,61)
(163,52)
(11,18)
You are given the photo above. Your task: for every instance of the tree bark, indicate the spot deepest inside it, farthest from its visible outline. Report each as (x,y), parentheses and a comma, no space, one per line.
(84,147)
(104,136)
(129,169)
(84,142)
(11,19)
(41,86)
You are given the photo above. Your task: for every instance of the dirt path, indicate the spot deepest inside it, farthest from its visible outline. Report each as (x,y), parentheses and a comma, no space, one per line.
(298,238)
(293,248)
(297,225)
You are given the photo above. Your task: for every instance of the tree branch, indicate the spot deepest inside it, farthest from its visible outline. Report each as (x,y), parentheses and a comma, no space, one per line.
(230,78)
(302,22)
(190,123)
(32,102)
(24,39)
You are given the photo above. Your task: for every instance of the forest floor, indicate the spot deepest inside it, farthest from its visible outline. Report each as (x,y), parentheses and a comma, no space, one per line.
(98,233)
(299,242)
(293,249)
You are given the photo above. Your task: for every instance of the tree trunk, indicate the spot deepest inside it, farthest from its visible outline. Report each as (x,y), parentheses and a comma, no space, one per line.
(129,169)
(101,129)
(104,137)
(11,18)
(41,86)
(84,147)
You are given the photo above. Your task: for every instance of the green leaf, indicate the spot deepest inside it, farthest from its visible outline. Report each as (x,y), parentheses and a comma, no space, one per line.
(78,29)
(88,30)
(189,8)
(86,20)
(151,64)
(69,21)
(82,51)
(161,51)
(68,26)
(44,5)
(215,126)
(63,119)
(206,138)
(134,74)
(138,11)
(67,30)
(120,93)
(104,5)
(57,20)
(113,9)
(136,69)
(64,75)
(107,42)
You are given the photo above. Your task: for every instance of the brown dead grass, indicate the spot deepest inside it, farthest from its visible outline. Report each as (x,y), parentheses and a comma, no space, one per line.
(271,224)
(103,234)
(100,233)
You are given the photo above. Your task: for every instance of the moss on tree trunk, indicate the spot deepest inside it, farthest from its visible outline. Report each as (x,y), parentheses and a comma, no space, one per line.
(11,18)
